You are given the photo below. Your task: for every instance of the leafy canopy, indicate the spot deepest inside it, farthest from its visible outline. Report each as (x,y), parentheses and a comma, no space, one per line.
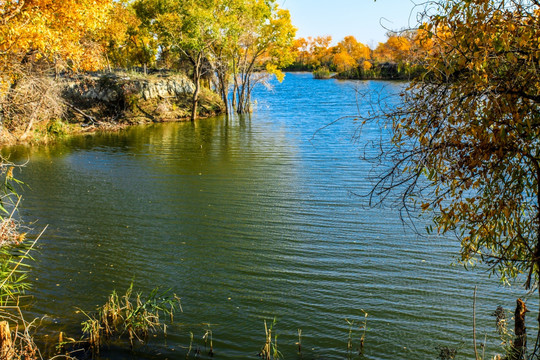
(466,139)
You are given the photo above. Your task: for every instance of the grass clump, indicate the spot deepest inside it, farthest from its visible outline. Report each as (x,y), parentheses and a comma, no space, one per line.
(322,73)
(270,350)
(130,316)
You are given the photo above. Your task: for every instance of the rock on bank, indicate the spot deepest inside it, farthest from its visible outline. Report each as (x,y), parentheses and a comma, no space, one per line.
(135,99)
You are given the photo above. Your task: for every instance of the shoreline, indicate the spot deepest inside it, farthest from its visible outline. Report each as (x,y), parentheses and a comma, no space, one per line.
(111,102)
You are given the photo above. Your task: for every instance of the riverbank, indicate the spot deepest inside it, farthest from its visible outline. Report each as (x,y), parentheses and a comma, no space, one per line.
(103,102)
(383,71)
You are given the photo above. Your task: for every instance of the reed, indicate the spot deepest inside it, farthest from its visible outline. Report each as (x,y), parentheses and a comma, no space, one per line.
(130,316)
(16,334)
(190,344)
(322,73)
(364,329)
(349,339)
(207,337)
(270,350)
(362,326)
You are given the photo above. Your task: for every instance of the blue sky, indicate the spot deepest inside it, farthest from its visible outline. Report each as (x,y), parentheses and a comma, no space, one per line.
(364,19)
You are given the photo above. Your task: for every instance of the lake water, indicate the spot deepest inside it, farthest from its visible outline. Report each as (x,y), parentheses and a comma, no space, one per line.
(248,219)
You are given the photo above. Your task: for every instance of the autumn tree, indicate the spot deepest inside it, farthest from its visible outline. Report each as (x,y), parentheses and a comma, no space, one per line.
(120,35)
(190,29)
(37,36)
(264,46)
(351,54)
(49,32)
(143,38)
(401,55)
(230,15)
(319,47)
(52,31)
(394,50)
(312,53)
(300,47)
(466,136)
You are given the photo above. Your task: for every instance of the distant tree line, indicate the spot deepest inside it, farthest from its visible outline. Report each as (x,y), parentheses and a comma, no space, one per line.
(400,56)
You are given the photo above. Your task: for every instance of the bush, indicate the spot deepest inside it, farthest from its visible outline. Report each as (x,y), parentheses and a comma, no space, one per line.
(322,73)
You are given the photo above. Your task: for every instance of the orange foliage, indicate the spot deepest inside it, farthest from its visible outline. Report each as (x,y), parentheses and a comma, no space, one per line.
(349,54)
(344,61)
(395,49)
(410,48)
(52,30)
(319,50)
(355,49)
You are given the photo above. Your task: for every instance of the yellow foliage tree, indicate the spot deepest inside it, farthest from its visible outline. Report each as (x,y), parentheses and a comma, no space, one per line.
(343,61)
(119,35)
(467,134)
(37,36)
(265,43)
(319,48)
(52,31)
(350,54)
(395,49)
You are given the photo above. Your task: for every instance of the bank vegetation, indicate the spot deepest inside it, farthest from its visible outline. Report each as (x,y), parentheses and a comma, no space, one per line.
(219,44)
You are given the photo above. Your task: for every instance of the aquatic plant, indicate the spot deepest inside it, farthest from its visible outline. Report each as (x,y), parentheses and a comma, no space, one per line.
(130,316)
(270,350)
(362,326)
(207,337)
(322,73)
(190,344)
(446,353)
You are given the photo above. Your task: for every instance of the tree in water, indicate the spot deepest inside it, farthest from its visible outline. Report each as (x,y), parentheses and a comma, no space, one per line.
(264,45)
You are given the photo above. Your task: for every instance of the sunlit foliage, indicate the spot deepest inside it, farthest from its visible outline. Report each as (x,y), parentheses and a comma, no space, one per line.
(401,56)
(395,49)
(52,31)
(349,54)
(266,42)
(467,137)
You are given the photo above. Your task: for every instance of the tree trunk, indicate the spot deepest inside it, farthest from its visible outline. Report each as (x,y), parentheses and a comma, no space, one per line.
(247,108)
(233,100)
(6,344)
(240,101)
(224,87)
(195,103)
(108,62)
(235,83)
(197,82)
(221,85)
(519,347)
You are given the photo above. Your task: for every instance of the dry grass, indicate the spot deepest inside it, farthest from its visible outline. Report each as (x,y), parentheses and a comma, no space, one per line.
(32,97)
